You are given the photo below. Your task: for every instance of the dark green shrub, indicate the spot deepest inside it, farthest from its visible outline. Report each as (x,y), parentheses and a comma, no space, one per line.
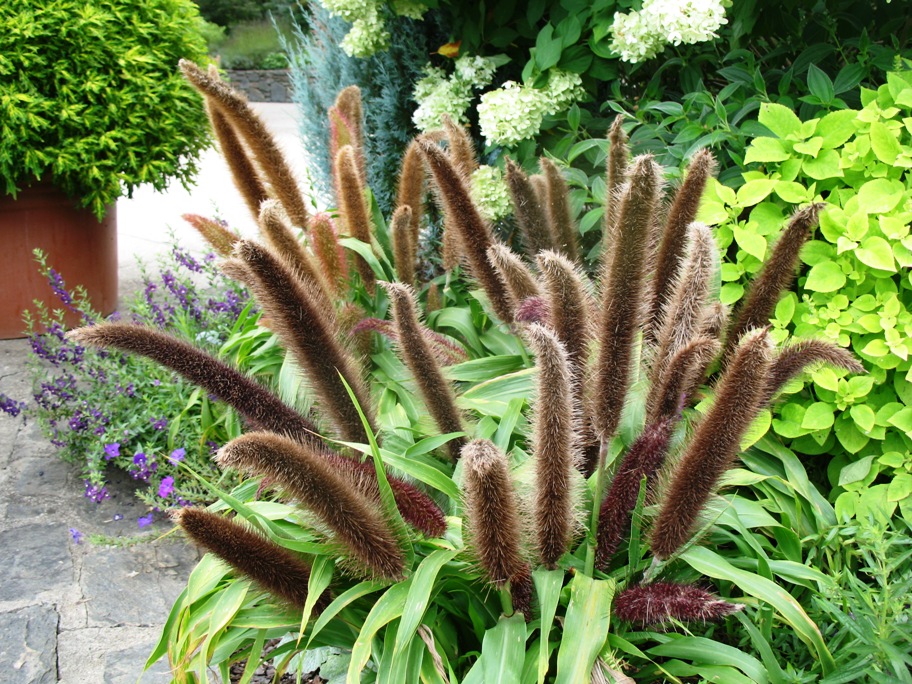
(91,99)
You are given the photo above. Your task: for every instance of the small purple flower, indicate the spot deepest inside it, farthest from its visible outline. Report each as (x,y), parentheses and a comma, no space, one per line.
(145,520)
(177,455)
(112,451)
(118,517)
(7,405)
(95,493)
(76,535)
(165,487)
(156,382)
(143,468)
(159,424)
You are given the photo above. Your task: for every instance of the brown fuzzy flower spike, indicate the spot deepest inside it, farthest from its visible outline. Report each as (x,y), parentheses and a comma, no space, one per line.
(272,567)
(463,216)
(243,170)
(679,378)
(417,354)
(259,406)
(674,237)
(795,357)
(353,208)
(516,276)
(411,191)
(329,254)
(568,302)
(461,147)
(739,396)
(307,332)
(404,249)
(531,215)
(622,297)
(317,486)
(280,236)
(776,275)
(559,210)
(660,602)
(715,320)
(685,306)
(214,233)
(553,444)
(253,131)
(492,515)
(348,103)
(643,459)
(615,177)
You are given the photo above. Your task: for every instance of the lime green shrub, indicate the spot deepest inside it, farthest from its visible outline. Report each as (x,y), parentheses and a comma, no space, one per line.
(91,99)
(856,289)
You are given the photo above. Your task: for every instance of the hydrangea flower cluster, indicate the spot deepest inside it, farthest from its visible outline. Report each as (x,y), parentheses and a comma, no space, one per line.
(638,36)
(438,94)
(514,112)
(489,191)
(368,33)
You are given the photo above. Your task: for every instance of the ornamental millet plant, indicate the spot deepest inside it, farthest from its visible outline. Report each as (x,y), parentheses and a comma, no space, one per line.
(619,359)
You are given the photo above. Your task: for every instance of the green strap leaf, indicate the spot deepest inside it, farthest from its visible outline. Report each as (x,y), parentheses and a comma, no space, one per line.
(387,608)
(548,584)
(712,564)
(585,628)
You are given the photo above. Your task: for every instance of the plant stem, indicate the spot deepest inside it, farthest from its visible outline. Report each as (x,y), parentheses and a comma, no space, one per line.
(597,495)
(506,602)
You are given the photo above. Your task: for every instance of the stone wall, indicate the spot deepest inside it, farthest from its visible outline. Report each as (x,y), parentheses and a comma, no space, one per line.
(273,85)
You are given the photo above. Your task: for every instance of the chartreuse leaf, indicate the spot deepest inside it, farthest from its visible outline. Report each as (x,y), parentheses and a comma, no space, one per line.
(387,608)
(416,604)
(779,119)
(585,628)
(548,585)
(708,562)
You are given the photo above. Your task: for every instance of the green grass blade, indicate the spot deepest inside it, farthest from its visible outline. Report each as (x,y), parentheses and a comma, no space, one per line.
(712,564)
(701,651)
(585,628)
(503,650)
(387,608)
(548,584)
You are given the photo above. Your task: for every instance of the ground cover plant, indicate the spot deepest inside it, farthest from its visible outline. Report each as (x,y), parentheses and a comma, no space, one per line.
(855,291)
(423,514)
(107,410)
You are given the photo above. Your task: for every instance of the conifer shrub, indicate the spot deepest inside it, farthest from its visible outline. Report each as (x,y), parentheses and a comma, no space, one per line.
(521,491)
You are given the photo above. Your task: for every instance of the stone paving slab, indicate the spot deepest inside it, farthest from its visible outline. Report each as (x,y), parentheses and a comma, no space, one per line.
(28,645)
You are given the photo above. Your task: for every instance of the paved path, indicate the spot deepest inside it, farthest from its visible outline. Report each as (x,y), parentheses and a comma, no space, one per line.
(83,613)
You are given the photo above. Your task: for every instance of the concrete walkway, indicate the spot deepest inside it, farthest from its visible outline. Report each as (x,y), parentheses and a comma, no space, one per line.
(82,613)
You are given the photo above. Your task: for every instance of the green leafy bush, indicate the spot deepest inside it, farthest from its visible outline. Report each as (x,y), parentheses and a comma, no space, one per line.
(856,290)
(91,100)
(254,45)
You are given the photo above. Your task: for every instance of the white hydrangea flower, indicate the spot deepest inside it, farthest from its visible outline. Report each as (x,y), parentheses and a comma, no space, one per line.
(634,38)
(638,36)
(685,21)
(409,8)
(351,10)
(478,71)
(564,88)
(437,94)
(367,36)
(511,113)
(489,191)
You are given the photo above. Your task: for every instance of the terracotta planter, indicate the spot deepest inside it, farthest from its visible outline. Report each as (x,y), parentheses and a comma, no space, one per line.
(78,246)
